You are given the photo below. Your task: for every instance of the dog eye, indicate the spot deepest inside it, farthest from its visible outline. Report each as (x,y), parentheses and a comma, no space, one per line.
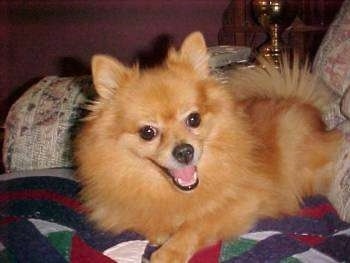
(148,132)
(193,120)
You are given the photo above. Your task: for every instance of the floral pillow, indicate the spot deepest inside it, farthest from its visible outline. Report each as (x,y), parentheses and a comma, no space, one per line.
(332,65)
(332,60)
(40,125)
(345,104)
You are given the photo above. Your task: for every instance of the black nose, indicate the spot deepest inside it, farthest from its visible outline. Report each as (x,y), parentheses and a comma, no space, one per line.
(183,153)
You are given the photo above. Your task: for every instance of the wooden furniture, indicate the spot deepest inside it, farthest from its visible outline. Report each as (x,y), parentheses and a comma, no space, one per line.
(305,34)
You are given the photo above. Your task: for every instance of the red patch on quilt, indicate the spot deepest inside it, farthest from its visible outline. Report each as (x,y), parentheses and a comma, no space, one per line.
(318,211)
(207,255)
(82,253)
(8,220)
(310,240)
(42,195)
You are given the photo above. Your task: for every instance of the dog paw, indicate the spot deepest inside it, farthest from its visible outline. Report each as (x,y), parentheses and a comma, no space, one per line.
(168,256)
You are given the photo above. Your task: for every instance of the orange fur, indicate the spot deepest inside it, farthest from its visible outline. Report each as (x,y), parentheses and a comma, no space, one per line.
(258,155)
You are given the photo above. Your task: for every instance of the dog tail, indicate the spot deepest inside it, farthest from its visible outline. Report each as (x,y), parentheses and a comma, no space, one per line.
(292,80)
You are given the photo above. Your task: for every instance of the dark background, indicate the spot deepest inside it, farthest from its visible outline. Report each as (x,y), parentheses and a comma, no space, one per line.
(39,38)
(58,37)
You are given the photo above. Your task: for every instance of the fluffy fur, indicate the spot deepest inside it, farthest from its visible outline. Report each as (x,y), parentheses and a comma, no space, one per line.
(259,149)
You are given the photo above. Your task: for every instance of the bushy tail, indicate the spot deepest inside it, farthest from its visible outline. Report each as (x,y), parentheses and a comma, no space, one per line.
(292,80)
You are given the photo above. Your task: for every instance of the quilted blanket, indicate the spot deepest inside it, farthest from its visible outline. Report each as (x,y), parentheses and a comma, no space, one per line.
(42,220)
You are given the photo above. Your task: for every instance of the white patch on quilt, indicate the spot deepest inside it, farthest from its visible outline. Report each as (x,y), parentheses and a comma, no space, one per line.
(312,256)
(46,227)
(258,236)
(2,247)
(345,232)
(127,252)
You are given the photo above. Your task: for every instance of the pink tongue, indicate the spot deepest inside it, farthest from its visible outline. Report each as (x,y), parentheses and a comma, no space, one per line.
(185,176)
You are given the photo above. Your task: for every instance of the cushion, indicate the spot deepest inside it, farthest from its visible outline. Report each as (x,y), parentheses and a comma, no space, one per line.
(332,65)
(332,61)
(340,192)
(41,123)
(345,104)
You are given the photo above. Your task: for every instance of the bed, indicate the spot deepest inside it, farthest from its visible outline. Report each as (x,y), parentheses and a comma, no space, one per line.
(43,220)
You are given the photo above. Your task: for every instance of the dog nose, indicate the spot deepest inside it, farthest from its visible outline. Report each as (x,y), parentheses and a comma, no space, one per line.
(183,153)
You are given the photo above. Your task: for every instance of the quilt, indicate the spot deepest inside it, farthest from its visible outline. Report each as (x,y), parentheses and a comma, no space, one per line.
(42,220)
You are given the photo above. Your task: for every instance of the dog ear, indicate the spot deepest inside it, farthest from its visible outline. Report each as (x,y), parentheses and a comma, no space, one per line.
(194,51)
(108,75)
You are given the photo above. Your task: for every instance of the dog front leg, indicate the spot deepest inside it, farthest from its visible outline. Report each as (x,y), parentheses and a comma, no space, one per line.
(191,237)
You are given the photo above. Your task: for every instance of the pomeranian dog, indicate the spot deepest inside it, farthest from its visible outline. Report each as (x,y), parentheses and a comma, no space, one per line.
(172,154)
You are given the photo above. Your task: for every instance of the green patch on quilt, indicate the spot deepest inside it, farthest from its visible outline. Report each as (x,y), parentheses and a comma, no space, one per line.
(7,257)
(235,248)
(62,241)
(290,260)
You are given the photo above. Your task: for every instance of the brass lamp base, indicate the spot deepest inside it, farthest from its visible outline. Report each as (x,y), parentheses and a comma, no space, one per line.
(274,16)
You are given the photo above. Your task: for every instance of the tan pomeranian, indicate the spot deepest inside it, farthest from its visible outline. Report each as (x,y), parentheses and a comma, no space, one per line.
(172,154)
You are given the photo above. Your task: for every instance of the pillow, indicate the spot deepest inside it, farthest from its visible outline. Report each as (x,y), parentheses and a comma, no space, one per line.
(332,61)
(340,191)
(345,104)
(332,65)
(41,123)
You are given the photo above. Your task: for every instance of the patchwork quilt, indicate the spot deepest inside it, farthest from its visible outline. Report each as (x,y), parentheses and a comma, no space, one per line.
(42,220)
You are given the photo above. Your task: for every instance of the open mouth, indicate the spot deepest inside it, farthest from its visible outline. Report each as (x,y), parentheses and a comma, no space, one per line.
(185,178)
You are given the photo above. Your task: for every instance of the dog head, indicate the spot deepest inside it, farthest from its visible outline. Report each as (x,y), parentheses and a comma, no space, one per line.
(163,115)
